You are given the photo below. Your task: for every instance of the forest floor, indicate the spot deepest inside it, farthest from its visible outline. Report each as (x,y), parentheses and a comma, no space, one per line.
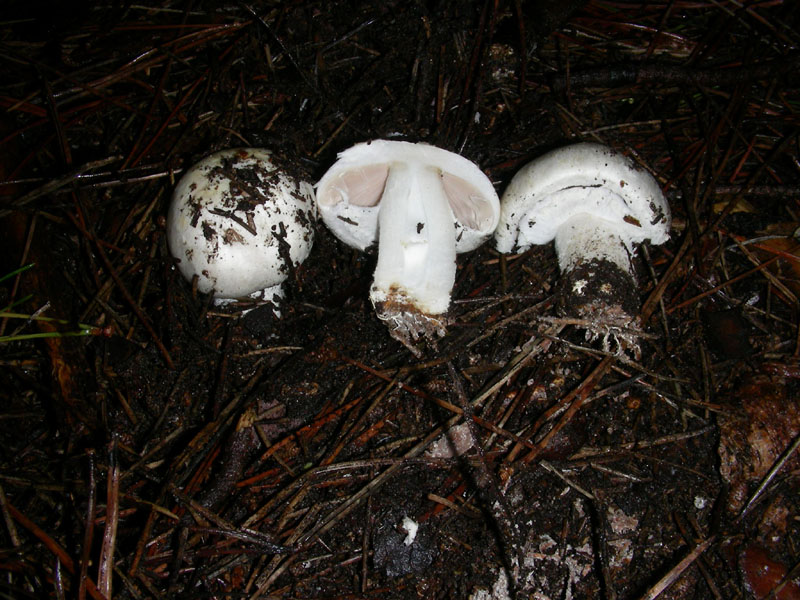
(154,445)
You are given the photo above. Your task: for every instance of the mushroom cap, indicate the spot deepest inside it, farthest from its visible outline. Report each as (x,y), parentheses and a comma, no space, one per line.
(224,224)
(349,194)
(582,178)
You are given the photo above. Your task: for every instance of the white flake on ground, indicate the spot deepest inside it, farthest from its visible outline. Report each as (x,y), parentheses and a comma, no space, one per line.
(410,527)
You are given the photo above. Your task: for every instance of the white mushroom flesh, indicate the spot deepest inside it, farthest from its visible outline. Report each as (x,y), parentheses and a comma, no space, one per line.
(416,246)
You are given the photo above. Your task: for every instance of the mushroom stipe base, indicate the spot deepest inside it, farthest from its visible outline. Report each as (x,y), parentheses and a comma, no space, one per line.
(408,325)
(606,299)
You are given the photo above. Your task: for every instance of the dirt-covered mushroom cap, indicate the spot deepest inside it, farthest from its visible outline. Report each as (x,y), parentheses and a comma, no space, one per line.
(421,204)
(240,224)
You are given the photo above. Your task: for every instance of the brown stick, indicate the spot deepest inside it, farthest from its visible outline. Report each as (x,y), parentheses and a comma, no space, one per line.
(54,547)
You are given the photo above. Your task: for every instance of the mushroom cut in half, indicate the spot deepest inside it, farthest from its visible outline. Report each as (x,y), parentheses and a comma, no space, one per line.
(596,204)
(421,205)
(239,225)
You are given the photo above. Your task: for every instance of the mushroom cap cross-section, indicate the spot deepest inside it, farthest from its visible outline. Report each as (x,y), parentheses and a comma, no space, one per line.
(596,204)
(422,205)
(239,224)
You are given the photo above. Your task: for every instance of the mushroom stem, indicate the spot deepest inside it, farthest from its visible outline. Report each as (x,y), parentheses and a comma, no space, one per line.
(585,237)
(597,274)
(416,253)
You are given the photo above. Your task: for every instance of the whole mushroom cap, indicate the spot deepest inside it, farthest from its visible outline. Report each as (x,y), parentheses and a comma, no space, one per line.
(235,221)
(349,193)
(581,178)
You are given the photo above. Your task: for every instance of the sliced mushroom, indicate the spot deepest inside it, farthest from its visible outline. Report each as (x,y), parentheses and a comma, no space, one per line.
(422,205)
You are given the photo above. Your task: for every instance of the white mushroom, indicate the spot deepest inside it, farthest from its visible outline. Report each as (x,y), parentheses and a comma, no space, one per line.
(422,204)
(596,204)
(240,225)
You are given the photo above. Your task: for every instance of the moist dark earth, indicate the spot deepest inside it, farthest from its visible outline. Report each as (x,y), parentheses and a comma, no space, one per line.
(156,445)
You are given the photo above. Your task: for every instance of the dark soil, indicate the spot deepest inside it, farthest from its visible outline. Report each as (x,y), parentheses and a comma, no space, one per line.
(176,449)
